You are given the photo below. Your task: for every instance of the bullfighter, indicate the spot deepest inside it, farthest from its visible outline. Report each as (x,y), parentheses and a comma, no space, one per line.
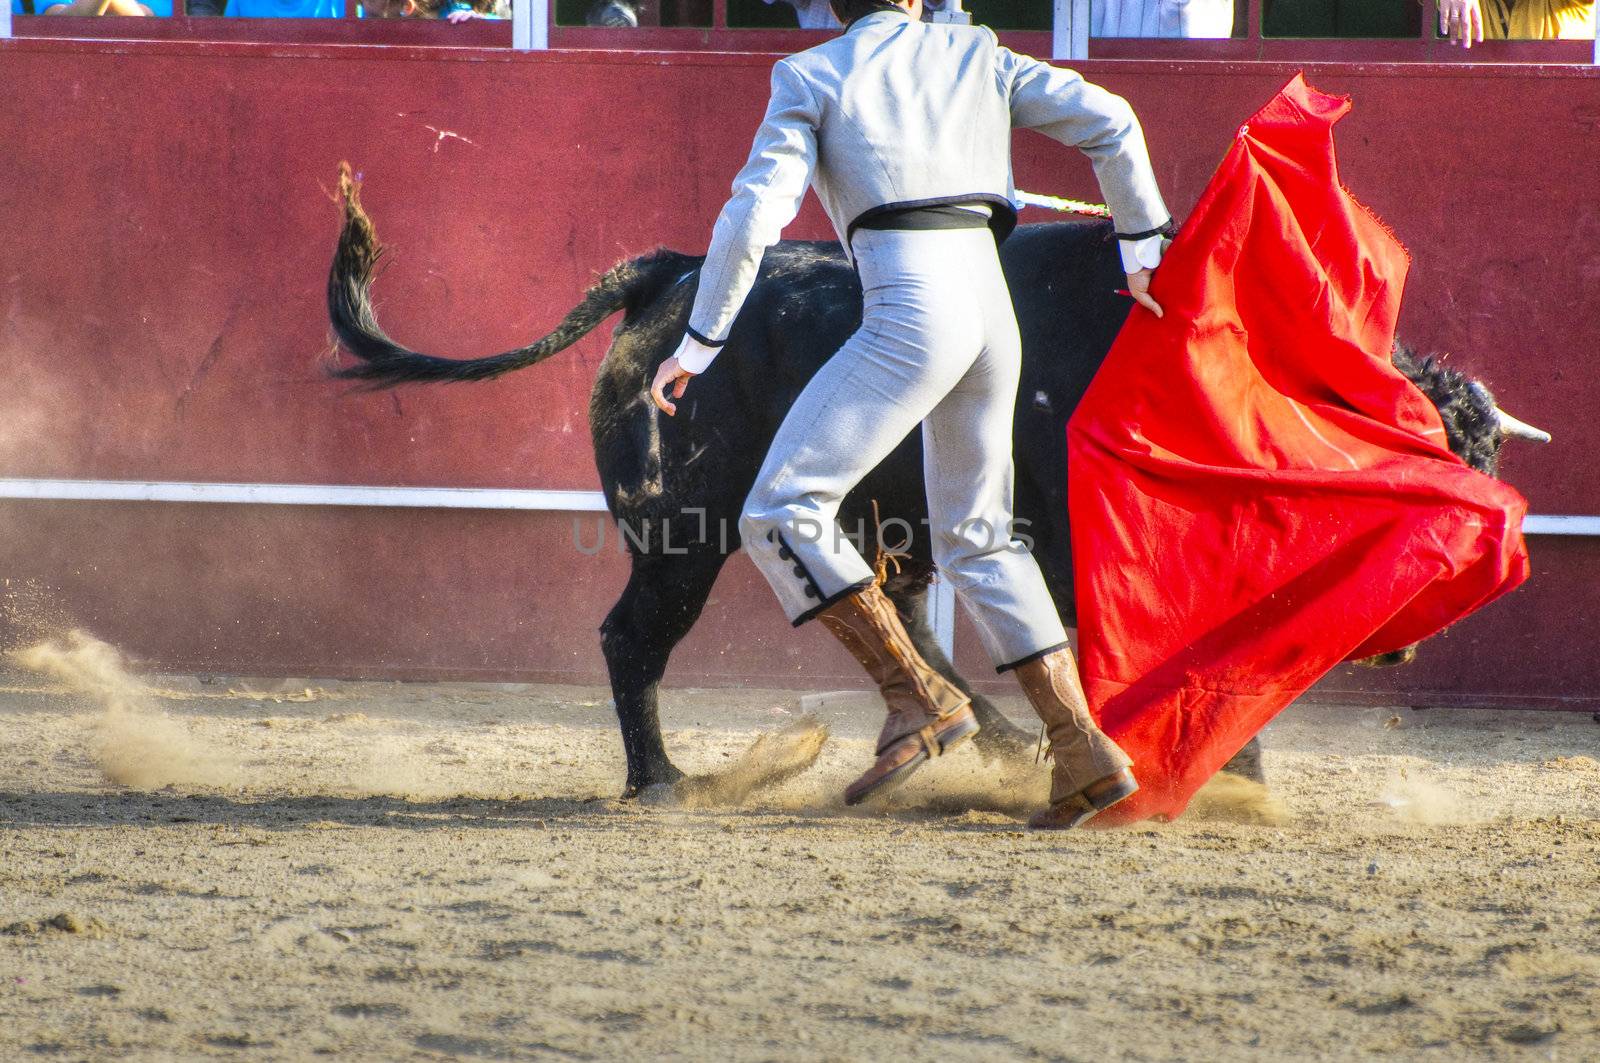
(903,128)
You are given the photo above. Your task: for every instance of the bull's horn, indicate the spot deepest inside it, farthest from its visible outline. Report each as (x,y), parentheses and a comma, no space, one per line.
(1511,427)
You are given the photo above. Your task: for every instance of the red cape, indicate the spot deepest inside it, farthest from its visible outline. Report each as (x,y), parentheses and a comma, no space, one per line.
(1256,493)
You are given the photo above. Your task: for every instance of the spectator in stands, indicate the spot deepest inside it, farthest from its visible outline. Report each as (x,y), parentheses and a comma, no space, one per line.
(617,14)
(624,14)
(1161,18)
(95,7)
(1537,20)
(813,14)
(1465,21)
(449,10)
(1461,21)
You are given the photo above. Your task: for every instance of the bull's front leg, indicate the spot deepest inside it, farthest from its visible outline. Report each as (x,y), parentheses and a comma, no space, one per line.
(997,736)
(660,604)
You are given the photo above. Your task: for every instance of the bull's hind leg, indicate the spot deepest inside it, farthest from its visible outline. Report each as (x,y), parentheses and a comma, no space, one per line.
(662,601)
(1247,762)
(997,736)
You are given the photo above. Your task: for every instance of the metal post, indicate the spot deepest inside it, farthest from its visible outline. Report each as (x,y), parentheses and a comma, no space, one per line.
(5,21)
(530,25)
(1596,57)
(1069,37)
(950,11)
(941,605)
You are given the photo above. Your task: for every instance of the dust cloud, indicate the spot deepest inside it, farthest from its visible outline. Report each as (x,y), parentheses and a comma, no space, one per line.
(1012,788)
(769,760)
(137,745)
(343,754)
(1232,799)
(134,743)
(1415,798)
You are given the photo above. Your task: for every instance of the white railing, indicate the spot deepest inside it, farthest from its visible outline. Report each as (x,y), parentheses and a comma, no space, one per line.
(531,499)
(941,602)
(305,494)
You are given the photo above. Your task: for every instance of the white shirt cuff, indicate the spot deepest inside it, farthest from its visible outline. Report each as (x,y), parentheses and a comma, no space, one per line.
(694,356)
(1142,254)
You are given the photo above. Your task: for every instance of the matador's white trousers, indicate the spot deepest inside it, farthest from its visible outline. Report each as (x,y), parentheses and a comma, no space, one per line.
(937,345)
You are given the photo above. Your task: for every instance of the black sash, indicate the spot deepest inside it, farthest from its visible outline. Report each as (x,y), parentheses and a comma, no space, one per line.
(943,216)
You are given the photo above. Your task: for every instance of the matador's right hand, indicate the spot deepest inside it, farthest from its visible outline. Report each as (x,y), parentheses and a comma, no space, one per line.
(1139,289)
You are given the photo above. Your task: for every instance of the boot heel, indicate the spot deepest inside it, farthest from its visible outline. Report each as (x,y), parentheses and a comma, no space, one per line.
(895,764)
(968,727)
(1080,808)
(1125,787)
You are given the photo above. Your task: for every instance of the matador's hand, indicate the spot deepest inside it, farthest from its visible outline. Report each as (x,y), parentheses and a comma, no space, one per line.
(670,375)
(1139,289)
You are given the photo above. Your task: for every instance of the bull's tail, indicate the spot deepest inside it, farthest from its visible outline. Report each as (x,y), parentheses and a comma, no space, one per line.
(385,363)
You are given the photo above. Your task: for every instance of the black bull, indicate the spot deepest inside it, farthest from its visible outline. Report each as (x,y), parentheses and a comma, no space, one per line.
(676,484)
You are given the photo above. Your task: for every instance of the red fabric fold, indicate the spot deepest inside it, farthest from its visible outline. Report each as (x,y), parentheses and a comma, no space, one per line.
(1256,492)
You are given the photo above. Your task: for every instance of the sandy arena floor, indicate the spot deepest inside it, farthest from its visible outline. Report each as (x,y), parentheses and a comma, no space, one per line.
(388,872)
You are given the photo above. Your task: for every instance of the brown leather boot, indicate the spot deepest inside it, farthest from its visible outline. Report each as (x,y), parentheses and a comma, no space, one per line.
(1091,772)
(927,713)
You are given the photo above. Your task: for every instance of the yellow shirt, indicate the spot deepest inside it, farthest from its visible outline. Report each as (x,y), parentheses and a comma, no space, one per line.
(1538,20)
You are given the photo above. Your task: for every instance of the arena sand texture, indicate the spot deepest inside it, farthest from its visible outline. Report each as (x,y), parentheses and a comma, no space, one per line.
(390,872)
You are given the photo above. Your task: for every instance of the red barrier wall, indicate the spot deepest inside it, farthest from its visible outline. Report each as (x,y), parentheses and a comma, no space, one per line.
(168,226)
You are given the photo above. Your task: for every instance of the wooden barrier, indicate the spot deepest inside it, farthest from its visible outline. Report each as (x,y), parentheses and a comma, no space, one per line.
(168,228)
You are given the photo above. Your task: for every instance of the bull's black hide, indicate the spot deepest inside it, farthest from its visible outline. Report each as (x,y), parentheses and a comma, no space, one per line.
(676,484)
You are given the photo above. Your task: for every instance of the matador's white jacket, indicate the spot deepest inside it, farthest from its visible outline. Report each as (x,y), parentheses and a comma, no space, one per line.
(896,113)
